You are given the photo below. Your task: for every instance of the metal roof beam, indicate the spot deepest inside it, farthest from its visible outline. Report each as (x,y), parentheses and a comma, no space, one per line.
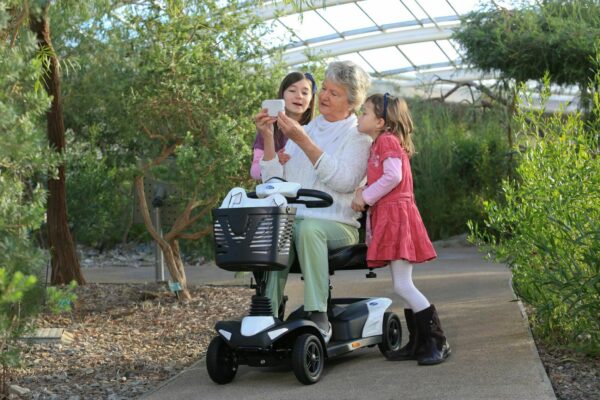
(280,9)
(371,29)
(371,42)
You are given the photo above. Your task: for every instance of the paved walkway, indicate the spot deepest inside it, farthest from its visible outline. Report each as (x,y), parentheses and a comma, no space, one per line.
(494,356)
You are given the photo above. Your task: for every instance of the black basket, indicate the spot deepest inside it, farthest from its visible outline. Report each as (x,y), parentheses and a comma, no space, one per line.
(253,239)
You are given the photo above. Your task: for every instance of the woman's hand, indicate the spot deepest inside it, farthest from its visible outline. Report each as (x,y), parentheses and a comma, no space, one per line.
(290,127)
(264,123)
(358,203)
(283,156)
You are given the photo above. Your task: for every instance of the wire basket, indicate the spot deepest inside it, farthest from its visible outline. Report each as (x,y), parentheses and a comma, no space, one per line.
(253,239)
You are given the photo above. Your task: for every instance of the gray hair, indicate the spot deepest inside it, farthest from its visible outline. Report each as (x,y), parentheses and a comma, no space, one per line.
(353,78)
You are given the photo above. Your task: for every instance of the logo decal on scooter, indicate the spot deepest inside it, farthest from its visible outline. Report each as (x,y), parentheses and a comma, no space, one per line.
(270,187)
(373,303)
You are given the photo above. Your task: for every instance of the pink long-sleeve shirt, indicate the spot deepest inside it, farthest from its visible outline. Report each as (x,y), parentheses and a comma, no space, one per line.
(255,168)
(392,175)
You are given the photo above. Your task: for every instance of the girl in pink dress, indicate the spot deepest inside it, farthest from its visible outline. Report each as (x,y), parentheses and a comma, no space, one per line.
(395,232)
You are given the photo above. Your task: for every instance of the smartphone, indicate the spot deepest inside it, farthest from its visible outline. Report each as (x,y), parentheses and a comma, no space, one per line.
(274,106)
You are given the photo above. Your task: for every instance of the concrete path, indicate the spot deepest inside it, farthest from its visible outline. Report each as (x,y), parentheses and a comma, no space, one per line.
(494,356)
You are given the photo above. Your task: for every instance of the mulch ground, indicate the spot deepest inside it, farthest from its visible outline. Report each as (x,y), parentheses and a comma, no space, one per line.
(130,338)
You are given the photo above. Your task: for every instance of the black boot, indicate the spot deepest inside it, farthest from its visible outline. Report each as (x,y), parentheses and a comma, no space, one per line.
(409,351)
(435,346)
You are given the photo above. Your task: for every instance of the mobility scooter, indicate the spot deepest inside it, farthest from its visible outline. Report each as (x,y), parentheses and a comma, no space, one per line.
(253,232)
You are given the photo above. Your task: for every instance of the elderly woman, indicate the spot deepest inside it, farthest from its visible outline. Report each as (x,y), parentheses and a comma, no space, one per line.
(329,155)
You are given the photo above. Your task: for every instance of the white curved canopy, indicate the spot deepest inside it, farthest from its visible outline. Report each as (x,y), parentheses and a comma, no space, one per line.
(405,45)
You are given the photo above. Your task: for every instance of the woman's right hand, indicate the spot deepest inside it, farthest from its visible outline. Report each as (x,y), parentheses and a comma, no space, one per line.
(264,123)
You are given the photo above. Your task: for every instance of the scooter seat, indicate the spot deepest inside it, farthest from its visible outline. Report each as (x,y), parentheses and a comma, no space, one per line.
(347,257)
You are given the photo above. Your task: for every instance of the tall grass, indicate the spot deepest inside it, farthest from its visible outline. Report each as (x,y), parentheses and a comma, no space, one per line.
(462,156)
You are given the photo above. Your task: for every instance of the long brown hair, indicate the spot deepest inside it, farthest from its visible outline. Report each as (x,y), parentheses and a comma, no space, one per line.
(396,115)
(292,78)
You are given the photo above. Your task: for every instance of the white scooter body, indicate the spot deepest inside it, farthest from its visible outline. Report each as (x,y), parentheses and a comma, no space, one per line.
(261,339)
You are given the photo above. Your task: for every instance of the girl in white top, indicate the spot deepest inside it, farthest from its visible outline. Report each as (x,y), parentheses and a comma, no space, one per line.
(329,155)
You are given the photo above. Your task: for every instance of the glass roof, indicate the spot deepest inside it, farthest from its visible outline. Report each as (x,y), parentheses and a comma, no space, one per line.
(402,43)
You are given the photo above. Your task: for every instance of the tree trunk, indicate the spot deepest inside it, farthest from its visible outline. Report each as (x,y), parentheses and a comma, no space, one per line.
(65,264)
(169,248)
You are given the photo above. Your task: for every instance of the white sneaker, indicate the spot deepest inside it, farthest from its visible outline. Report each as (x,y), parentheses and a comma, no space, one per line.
(327,335)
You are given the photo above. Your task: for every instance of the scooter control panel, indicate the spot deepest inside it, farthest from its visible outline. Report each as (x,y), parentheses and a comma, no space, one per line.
(288,189)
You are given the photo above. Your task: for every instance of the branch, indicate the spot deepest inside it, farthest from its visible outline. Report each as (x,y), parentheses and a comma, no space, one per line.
(143,203)
(196,235)
(19,21)
(166,152)
(153,135)
(471,85)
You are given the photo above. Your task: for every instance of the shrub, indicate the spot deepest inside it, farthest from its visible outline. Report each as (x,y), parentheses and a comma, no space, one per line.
(460,162)
(99,197)
(24,157)
(547,227)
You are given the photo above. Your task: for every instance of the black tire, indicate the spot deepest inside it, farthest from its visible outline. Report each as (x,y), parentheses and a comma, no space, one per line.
(221,361)
(308,359)
(391,335)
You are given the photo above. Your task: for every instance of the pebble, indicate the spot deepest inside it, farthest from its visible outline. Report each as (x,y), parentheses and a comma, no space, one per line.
(18,390)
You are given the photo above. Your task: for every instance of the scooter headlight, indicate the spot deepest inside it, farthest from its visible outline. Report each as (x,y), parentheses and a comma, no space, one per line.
(225,334)
(277,332)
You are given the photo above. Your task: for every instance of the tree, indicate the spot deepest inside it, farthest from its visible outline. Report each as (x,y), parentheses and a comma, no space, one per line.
(554,36)
(177,84)
(65,264)
(24,155)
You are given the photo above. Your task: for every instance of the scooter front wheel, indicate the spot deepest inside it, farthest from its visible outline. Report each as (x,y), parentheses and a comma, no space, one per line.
(221,361)
(392,334)
(308,358)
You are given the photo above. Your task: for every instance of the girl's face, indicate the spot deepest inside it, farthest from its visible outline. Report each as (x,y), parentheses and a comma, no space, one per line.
(333,101)
(297,98)
(368,122)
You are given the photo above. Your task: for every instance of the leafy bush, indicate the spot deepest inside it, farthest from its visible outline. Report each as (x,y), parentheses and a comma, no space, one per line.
(99,196)
(547,227)
(24,157)
(460,162)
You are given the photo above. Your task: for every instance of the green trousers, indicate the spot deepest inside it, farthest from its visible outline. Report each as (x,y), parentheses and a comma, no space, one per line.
(312,239)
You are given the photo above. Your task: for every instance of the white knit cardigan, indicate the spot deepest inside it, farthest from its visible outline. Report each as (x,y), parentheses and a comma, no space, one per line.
(340,170)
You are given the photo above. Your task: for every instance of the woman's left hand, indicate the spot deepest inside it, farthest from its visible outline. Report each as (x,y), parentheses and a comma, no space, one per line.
(358,203)
(290,127)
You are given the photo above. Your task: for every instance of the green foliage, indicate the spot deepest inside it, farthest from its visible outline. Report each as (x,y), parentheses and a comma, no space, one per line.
(547,226)
(98,198)
(555,36)
(24,158)
(191,74)
(460,162)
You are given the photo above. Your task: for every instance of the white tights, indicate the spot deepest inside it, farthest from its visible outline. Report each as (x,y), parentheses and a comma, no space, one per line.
(404,287)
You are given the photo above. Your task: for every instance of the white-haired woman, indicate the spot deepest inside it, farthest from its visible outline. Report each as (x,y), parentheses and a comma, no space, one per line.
(329,155)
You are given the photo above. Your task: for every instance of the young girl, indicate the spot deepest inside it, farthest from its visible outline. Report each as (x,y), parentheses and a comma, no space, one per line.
(298,91)
(395,232)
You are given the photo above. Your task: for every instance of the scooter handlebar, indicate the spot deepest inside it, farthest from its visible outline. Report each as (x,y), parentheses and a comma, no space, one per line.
(319,199)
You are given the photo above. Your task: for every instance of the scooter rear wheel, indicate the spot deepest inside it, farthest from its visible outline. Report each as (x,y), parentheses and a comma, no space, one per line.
(221,361)
(392,334)
(308,359)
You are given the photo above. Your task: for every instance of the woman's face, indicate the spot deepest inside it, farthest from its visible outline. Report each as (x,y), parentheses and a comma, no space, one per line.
(297,98)
(333,101)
